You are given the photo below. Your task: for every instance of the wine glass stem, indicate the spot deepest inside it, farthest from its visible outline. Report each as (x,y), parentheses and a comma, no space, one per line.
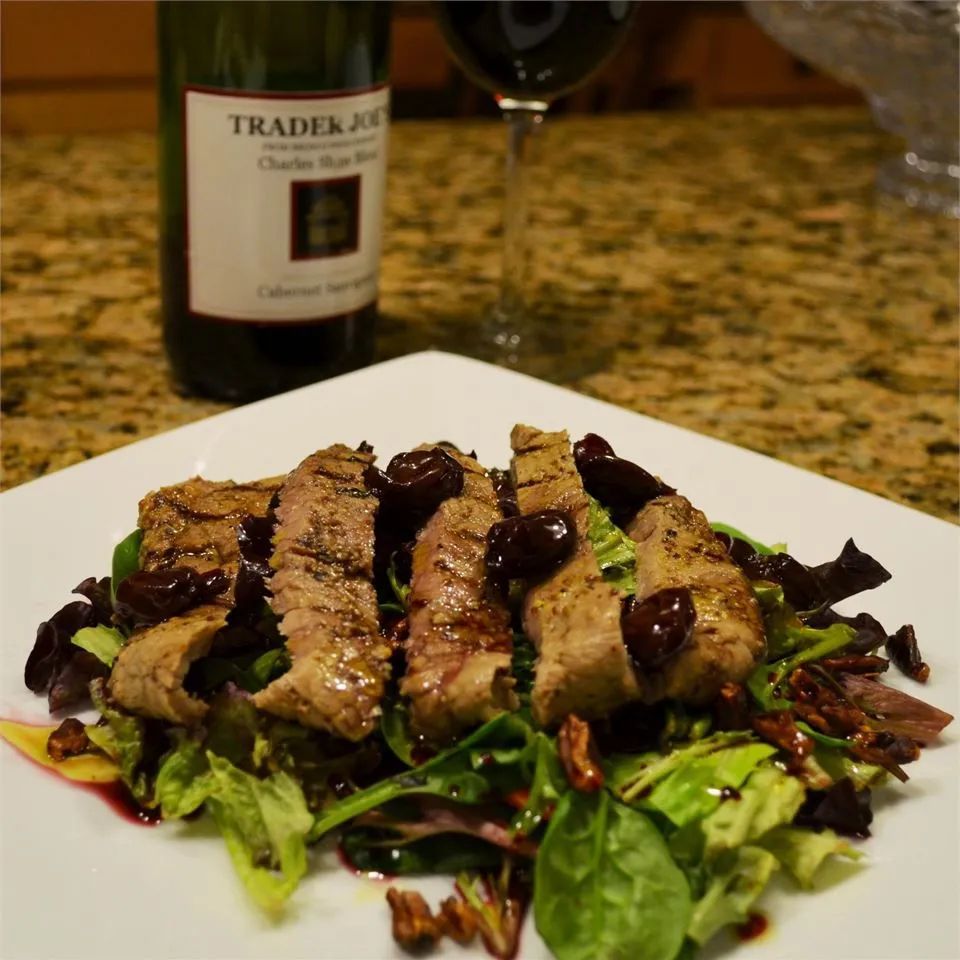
(522,121)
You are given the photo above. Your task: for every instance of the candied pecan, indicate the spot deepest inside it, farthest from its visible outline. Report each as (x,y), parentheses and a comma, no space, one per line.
(855,663)
(68,740)
(414,926)
(780,729)
(579,755)
(822,707)
(457,920)
(731,710)
(903,651)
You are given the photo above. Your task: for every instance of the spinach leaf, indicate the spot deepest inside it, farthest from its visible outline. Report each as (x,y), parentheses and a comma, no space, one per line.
(614,550)
(126,560)
(250,671)
(548,784)
(395,727)
(605,885)
(376,851)
(495,748)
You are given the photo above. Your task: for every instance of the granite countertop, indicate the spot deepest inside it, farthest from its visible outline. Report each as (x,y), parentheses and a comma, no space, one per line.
(731,272)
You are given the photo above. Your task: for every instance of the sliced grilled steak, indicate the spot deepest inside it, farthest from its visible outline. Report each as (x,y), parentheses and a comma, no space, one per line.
(323,591)
(573,617)
(194,524)
(460,644)
(677,548)
(147,677)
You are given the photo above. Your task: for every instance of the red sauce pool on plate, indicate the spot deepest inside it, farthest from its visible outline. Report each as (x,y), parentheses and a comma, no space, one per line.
(755,926)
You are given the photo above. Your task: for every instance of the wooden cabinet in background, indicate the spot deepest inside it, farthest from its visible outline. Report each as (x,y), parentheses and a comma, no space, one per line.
(71,66)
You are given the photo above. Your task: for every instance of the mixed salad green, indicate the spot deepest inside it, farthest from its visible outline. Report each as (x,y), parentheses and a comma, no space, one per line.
(643,835)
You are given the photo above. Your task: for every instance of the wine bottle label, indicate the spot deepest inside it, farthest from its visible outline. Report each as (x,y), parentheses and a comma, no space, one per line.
(284,202)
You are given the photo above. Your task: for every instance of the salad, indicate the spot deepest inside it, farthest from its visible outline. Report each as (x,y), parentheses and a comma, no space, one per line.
(560,685)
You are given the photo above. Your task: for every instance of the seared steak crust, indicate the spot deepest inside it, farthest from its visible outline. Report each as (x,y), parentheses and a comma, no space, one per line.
(572,617)
(460,644)
(194,524)
(147,677)
(677,548)
(323,592)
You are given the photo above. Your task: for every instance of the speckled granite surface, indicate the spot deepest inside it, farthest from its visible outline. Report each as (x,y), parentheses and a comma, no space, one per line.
(730,272)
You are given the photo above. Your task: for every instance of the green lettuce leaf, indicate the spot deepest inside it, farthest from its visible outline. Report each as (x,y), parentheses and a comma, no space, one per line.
(768,799)
(632,776)
(264,824)
(605,885)
(693,791)
(103,642)
(251,672)
(126,560)
(740,535)
(122,739)
(184,780)
(802,852)
(614,550)
(735,882)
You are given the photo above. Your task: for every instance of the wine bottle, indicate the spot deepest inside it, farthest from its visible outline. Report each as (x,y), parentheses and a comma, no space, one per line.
(273,134)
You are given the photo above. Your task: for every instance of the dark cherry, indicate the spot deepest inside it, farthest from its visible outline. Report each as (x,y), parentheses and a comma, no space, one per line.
(658,628)
(530,546)
(149,596)
(618,484)
(506,494)
(418,481)
(255,542)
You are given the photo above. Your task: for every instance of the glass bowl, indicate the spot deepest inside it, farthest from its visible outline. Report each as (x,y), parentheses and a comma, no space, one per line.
(903,54)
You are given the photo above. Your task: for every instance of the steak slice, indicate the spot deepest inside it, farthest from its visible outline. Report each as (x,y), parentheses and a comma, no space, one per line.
(147,677)
(677,548)
(323,592)
(572,617)
(460,644)
(194,524)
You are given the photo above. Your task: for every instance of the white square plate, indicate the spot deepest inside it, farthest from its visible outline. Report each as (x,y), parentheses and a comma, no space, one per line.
(79,882)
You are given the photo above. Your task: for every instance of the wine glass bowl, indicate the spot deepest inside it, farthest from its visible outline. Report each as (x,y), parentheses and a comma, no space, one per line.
(903,54)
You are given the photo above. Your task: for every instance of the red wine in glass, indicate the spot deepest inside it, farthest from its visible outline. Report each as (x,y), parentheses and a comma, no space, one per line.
(526,53)
(530,50)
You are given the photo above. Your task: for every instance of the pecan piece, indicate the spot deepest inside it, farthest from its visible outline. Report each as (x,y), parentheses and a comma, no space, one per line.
(579,755)
(414,926)
(68,740)
(457,920)
(780,729)
(855,663)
